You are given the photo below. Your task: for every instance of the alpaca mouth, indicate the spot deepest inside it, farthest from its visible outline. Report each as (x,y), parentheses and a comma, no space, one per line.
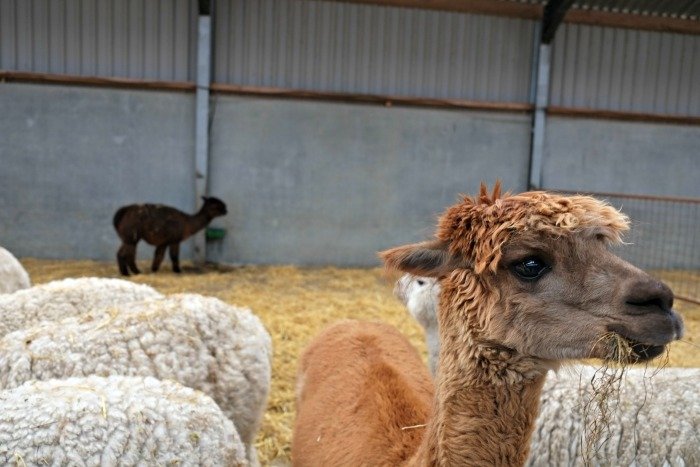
(644,352)
(633,351)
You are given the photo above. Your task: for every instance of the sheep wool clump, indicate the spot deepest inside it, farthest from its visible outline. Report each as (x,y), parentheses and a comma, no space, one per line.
(13,276)
(65,298)
(114,421)
(200,342)
(655,421)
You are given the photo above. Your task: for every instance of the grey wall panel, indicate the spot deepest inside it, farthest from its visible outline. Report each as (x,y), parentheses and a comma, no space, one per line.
(626,70)
(71,156)
(622,157)
(330,183)
(329,46)
(140,39)
(635,158)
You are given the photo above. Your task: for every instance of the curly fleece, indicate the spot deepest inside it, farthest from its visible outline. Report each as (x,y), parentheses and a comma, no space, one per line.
(65,298)
(13,276)
(655,423)
(200,342)
(118,420)
(478,227)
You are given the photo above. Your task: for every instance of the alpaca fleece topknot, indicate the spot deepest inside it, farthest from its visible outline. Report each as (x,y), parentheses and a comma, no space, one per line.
(478,227)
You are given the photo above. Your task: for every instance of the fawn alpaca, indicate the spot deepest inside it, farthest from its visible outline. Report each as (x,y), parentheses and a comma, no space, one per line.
(161,226)
(528,281)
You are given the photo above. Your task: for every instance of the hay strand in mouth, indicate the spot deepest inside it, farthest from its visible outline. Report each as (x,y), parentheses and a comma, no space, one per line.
(602,401)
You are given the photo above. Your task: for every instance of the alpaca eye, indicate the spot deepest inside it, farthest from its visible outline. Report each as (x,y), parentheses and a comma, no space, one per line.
(420,282)
(530,269)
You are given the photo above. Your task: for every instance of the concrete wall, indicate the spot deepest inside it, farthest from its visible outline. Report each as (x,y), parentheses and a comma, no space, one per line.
(72,155)
(320,183)
(622,157)
(306,182)
(634,158)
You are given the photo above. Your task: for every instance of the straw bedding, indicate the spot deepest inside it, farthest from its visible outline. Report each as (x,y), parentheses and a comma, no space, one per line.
(294,304)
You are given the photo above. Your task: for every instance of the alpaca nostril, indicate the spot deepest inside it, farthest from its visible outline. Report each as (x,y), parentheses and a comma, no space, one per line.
(654,302)
(648,296)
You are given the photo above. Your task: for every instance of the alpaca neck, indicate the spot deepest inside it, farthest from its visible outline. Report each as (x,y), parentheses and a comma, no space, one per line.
(196,222)
(486,400)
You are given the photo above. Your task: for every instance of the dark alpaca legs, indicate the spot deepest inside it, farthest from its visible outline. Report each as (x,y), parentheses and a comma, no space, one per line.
(132,259)
(121,260)
(126,258)
(175,256)
(158,257)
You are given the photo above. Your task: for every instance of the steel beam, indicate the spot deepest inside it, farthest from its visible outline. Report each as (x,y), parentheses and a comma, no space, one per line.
(201,133)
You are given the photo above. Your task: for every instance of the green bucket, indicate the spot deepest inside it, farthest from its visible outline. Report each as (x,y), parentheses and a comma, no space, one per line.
(215,233)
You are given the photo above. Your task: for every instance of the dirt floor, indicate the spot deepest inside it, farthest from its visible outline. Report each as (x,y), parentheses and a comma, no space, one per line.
(295,303)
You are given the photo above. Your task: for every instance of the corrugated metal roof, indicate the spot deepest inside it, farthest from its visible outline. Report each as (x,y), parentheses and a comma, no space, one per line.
(141,39)
(626,70)
(682,9)
(369,49)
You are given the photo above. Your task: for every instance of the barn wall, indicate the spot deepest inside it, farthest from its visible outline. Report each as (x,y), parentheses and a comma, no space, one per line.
(634,158)
(330,183)
(309,181)
(622,157)
(306,182)
(72,155)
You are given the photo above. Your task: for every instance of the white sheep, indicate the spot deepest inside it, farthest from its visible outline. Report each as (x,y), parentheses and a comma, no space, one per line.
(65,298)
(116,420)
(655,423)
(200,342)
(12,275)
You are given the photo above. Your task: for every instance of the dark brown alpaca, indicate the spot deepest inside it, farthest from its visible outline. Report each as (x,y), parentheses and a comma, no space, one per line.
(162,227)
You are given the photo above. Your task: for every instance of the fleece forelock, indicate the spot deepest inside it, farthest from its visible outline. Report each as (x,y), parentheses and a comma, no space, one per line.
(478,227)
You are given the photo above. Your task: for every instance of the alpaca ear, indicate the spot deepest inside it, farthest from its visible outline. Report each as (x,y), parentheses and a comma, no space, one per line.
(431,259)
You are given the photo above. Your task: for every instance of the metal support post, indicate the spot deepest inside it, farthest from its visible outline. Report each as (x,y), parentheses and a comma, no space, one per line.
(201,134)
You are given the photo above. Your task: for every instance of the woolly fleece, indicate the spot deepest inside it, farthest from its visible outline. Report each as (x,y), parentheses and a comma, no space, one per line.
(65,298)
(655,423)
(200,342)
(118,420)
(13,276)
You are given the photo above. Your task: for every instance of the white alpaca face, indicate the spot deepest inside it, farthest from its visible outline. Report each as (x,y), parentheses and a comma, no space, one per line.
(420,295)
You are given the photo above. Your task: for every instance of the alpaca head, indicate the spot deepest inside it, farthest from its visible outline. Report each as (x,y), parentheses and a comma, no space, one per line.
(213,207)
(533,274)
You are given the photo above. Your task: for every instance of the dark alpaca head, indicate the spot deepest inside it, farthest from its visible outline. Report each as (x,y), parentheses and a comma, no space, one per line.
(213,207)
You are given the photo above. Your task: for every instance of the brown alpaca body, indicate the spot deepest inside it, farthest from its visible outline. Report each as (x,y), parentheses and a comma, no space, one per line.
(160,226)
(387,384)
(527,282)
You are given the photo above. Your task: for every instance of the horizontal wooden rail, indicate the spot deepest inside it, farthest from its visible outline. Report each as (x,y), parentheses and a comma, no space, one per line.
(623,115)
(378,99)
(670,199)
(386,100)
(52,78)
(694,301)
